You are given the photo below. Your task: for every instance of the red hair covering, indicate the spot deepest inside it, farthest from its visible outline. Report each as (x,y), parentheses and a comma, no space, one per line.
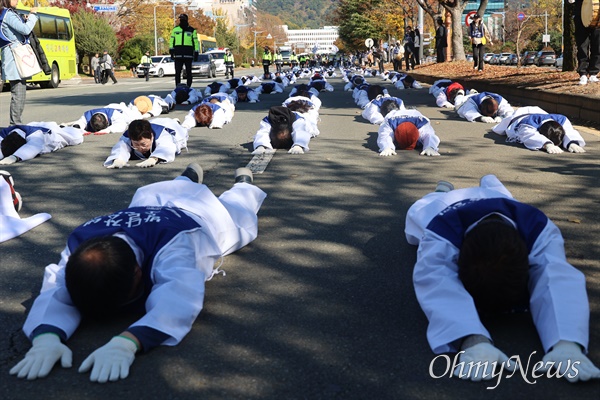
(406,135)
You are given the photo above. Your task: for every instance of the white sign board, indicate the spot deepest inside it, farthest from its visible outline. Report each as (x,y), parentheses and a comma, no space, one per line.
(545,38)
(369,43)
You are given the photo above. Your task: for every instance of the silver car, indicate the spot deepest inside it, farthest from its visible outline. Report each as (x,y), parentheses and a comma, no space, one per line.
(205,66)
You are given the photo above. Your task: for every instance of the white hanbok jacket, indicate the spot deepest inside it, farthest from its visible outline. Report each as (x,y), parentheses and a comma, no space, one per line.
(385,135)
(179,268)
(48,138)
(558,300)
(521,128)
(303,129)
(169,139)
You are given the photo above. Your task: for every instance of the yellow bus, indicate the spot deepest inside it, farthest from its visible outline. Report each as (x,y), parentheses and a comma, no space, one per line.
(207,43)
(54,29)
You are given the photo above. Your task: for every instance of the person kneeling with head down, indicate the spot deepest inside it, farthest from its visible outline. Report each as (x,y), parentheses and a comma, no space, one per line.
(483,107)
(283,128)
(150,106)
(156,141)
(481,252)
(153,258)
(112,118)
(183,94)
(214,112)
(377,109)
(25,142)
(538,130)
(405,129)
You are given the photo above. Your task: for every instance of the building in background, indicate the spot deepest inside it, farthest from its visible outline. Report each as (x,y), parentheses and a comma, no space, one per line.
(239,12)
(312,40)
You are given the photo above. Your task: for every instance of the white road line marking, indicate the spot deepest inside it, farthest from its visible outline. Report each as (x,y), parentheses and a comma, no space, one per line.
(260,161)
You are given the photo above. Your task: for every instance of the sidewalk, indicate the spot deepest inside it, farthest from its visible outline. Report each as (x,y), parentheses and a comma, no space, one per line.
(575,106)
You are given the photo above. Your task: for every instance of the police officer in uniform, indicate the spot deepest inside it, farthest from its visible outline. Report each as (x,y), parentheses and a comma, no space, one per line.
(267,58)
(229,63)
(184,48)
(293,60)
(278,58)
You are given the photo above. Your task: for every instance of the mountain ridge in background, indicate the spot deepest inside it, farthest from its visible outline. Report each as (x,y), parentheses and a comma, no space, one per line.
(300,14)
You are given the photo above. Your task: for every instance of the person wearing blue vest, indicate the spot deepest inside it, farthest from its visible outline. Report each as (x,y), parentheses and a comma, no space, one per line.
(150,106)
(243,94)
(112,118)
(285,129)
(405,129)
(213,112)
(155,141)
(378,108)
(485,107)
(25,142)
(538,130)
(14,30)
(481,252)
(183,94)
(152,257)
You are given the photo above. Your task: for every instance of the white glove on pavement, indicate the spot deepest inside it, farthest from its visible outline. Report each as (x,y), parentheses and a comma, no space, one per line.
(429,151)
(117,163)
(553,149)
(259,150)
(485,353)
(488,120)
(575,148)
(39,360)
(498,120)
(296,150)
(151,162)
(564,354)
(387,152)
(111,361)
(448,105)
(8,160)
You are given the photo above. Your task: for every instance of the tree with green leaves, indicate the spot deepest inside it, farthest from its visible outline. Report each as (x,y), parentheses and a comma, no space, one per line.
(133,49)
(356,22)
(92,34)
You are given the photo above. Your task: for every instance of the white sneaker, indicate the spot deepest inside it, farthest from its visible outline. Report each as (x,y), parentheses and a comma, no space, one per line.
(594,79)
(583,80)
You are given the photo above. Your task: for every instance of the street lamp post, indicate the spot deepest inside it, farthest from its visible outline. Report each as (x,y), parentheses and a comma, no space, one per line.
(175,2)
(255,33)
(237,34)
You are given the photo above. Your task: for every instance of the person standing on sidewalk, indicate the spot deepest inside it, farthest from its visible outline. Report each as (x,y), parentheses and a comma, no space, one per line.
(441,41)
(95,67)
(184,48)
(587,39)
(417,45)
(146,62)
(479,36)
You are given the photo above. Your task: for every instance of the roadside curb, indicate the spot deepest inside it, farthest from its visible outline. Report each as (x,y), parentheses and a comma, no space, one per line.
(570,105)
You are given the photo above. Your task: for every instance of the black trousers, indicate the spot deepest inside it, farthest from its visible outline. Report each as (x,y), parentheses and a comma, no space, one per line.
(441,54)
(228,70)
(588,46)
(478,53)
(179,63)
